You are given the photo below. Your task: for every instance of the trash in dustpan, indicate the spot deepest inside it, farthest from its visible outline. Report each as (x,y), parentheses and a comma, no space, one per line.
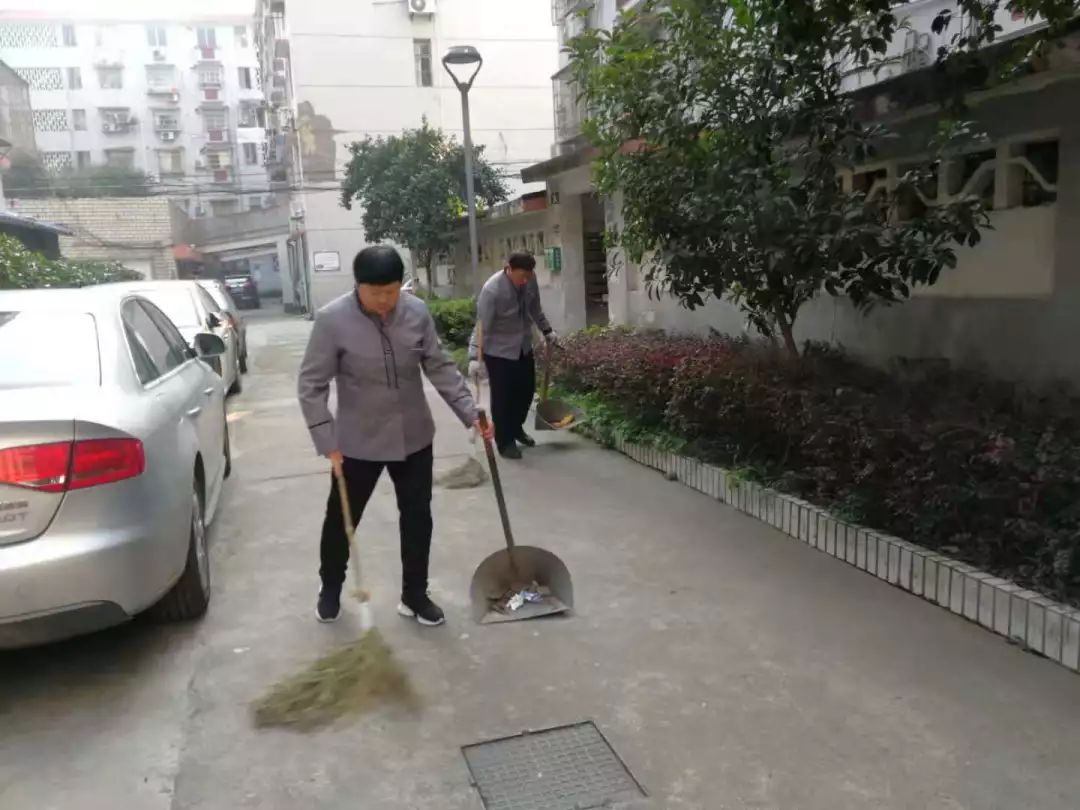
(531,583)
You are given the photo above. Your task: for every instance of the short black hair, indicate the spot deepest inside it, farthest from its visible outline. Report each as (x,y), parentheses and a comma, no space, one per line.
(378,264)
(521,260)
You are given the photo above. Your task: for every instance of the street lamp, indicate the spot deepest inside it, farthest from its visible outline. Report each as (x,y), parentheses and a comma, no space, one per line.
(461,57)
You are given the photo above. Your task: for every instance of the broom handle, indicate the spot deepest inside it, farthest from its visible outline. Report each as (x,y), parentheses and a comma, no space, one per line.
(496,482)
(350,527)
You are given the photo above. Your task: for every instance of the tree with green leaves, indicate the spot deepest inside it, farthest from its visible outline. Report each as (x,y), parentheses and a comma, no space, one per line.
(727,127)
(412,189)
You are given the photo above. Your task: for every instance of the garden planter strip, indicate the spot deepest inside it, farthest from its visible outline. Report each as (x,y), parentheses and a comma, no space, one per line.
(1028,618)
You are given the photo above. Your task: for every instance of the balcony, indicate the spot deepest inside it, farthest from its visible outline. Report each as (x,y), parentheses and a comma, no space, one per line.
(117,122)
(570,111)
(164,92)
(211,79)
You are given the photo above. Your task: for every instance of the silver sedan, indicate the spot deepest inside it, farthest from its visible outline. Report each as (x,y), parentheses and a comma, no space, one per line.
(113,451)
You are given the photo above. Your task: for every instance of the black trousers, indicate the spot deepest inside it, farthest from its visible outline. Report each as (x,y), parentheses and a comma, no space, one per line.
(412,484)
(513,383)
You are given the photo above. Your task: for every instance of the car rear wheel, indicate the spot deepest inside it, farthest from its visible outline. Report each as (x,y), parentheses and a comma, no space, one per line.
(190,596)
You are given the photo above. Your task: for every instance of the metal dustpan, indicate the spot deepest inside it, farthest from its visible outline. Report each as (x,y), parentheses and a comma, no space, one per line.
(554,414)
(517,582)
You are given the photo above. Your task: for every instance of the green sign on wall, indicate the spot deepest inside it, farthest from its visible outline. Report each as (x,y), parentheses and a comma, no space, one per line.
(553,259)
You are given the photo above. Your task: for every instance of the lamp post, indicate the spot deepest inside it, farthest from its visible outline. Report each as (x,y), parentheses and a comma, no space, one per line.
(462,57)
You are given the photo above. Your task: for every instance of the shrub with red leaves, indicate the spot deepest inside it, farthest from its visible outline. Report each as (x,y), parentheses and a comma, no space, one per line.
(955,461)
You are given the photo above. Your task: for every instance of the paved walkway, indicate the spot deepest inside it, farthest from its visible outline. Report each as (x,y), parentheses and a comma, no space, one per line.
(730,666)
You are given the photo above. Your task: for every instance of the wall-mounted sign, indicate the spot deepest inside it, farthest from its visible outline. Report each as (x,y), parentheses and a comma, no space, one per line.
(553,259)
(326,261)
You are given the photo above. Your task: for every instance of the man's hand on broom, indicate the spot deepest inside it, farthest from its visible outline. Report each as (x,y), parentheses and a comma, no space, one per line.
(485,430)
(337,461)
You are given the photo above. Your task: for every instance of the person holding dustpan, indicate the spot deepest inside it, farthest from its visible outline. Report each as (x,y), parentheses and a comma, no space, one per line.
(506,308)
(378,344)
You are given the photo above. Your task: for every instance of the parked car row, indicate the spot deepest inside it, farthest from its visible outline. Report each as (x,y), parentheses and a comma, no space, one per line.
(114,447)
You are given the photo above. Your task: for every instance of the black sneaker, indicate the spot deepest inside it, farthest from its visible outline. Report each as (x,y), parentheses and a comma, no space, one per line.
(525,440)
(422,609)
(510,451)
(329,607)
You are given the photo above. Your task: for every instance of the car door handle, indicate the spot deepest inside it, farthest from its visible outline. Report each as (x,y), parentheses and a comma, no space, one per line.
(209,391)
(194,411)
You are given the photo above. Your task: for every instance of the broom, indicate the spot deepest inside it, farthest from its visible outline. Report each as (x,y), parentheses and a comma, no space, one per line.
(471,473)
(349,681)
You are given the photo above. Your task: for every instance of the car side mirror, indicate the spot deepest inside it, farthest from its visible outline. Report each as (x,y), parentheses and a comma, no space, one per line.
(207,345)
(213,321)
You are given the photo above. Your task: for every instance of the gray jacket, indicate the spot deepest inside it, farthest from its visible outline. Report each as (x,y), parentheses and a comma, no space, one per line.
(382,413)
(505,312)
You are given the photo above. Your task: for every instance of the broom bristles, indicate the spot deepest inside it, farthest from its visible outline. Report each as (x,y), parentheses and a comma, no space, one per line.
(352,680)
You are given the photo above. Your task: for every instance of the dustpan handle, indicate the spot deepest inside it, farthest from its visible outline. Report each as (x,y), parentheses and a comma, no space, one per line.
(547,374)
(496,482)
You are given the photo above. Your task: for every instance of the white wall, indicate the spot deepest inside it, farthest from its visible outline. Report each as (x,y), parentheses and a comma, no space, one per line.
(353,62)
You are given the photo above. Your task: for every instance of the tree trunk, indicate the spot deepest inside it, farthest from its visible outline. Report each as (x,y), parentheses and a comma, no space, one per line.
(785,324)
(425,258)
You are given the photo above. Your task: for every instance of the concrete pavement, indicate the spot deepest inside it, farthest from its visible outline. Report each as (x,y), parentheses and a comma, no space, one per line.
(730,666)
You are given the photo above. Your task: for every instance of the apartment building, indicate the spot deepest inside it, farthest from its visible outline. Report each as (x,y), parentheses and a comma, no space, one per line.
(1010,304)
(180,99)
(335,71)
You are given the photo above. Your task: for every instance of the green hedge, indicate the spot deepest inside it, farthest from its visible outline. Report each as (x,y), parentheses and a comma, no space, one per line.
(983,470)
(22,269)
(454,319)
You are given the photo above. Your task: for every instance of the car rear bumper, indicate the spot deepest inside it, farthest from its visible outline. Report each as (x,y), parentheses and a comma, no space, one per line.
(63,585)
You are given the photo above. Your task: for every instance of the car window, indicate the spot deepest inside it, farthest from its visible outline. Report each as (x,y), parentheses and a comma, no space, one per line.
(48,348)
(176,302)
(176,341)
(208,301)
(154,354)
(220,296)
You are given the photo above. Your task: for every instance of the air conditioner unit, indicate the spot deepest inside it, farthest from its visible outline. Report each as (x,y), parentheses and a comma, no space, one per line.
(426,7)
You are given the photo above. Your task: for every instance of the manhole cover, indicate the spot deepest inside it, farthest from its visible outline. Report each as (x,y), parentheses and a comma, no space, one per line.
(566,768)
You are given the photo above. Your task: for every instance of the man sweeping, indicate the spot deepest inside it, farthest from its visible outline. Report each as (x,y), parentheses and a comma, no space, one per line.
(507,306)
(377,344)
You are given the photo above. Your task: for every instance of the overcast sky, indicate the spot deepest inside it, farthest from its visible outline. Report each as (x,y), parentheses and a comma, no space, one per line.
(135,9)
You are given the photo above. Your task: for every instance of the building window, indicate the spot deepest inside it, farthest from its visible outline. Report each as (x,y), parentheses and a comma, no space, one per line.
(214,120)
(111,78)
(241,34)
(50,120)
(207,37)
(155,36)
(171,161)
(78,119)
(120,158)
(422,58)
(210,75)
(245,78)
(82,160)
(249,116)
(69,36)
(1041,190)
(160,77)
(74,78)
(166,120)
(218,160)
(251,154)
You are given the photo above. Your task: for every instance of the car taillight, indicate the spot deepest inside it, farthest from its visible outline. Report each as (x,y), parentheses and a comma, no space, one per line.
(64,466)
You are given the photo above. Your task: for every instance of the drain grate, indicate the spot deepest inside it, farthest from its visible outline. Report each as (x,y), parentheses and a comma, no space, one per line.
(566,768)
